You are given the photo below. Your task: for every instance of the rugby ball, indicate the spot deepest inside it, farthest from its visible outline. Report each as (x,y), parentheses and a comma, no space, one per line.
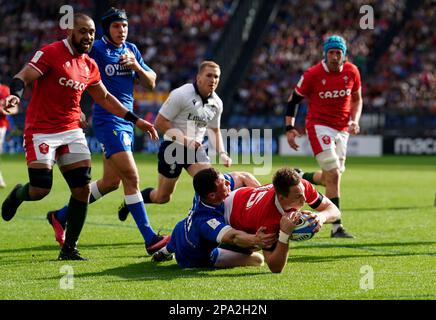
(302,231)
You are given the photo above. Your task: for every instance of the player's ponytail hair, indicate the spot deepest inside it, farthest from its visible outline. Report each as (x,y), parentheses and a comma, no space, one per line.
(284,179)
(205,182)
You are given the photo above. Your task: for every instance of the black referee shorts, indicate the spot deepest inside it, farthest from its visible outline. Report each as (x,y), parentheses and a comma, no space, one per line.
(173,157)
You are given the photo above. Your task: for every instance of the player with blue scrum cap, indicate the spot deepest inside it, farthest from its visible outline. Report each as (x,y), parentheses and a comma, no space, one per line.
(335,42)
(190,111)
(120,63)
(333,91)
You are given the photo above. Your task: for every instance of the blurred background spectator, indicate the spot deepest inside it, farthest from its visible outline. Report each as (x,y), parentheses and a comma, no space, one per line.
(396,58)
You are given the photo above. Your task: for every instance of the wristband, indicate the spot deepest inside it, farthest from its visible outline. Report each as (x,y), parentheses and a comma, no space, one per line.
(223,152)
(289,127)
(283,237)
(130,116)
(17,87)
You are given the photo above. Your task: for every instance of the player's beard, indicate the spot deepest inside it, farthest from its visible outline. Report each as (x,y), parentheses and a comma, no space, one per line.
(80,45)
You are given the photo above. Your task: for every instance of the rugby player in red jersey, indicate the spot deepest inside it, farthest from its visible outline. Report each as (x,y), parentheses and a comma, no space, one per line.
(61,72)
(248,209)
(333,91)
(4,123)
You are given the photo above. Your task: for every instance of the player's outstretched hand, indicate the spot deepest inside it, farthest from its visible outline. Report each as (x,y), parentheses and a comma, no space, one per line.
(147,127)
(265,240)
(11,104)
(289,221)
(290,136)
(318,219)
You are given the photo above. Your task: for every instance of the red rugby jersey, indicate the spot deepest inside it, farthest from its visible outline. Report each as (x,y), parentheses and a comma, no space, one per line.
(4,92)
(329,94)
(55,103)
(258,207)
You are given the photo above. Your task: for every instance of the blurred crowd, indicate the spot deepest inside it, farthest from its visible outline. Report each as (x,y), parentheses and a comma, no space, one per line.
(294,43)
(405,76)
(175,35)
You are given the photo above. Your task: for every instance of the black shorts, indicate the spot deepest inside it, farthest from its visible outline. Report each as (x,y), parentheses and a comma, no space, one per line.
(173,157)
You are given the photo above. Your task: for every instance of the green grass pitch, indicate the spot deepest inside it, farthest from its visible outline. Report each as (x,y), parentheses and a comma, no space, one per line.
(388,203)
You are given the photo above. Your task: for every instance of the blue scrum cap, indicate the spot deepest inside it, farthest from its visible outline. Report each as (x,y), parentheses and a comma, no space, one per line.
(335,42)
(110,16)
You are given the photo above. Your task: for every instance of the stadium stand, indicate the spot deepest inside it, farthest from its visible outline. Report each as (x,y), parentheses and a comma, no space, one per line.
(396,58)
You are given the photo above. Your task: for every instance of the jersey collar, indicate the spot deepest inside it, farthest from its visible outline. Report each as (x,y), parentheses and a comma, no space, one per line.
(205,100)
(109,43)
(278,206)
(326,68)
(215,208)
(70,49)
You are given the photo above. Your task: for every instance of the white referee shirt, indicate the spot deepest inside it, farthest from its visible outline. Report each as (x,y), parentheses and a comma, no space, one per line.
(191,114)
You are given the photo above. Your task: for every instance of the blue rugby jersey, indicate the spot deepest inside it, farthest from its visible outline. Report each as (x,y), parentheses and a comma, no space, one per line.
(227,176)
(118,80)
(195,237)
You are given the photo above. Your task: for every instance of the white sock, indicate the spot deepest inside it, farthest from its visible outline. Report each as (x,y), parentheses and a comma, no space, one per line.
(165,251)
(336,226)
(94,190)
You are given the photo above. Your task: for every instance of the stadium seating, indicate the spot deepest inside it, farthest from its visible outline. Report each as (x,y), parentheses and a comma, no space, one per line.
(174,36)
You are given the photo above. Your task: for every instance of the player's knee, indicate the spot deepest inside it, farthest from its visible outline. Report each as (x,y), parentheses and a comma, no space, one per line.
(132,180)
(112,185)
(41,179)
(328,160)
(78,177)
(332,176)
(81,193)
(38,193)
(257,260)
(162,198)
(341,164)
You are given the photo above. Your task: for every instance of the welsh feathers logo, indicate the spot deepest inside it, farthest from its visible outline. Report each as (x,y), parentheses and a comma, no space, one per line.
(43,148)
(326,139)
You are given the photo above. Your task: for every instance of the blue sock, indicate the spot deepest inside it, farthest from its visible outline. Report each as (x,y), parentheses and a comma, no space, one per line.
(137,209)
(61,215)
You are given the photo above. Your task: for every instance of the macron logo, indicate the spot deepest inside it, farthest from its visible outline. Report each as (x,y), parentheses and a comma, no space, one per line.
(69,83)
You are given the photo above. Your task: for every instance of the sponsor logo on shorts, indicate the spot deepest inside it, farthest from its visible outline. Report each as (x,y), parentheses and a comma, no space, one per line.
(173,167)
(43,148)
(126,140)
(326,139)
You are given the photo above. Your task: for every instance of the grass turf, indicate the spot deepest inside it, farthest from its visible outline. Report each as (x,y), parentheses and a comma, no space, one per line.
(387,203)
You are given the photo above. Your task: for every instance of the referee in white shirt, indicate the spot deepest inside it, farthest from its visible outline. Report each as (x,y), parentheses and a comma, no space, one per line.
(183,120)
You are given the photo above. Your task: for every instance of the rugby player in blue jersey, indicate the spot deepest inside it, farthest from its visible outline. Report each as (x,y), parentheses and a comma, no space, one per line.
(195,239)
(120,64)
